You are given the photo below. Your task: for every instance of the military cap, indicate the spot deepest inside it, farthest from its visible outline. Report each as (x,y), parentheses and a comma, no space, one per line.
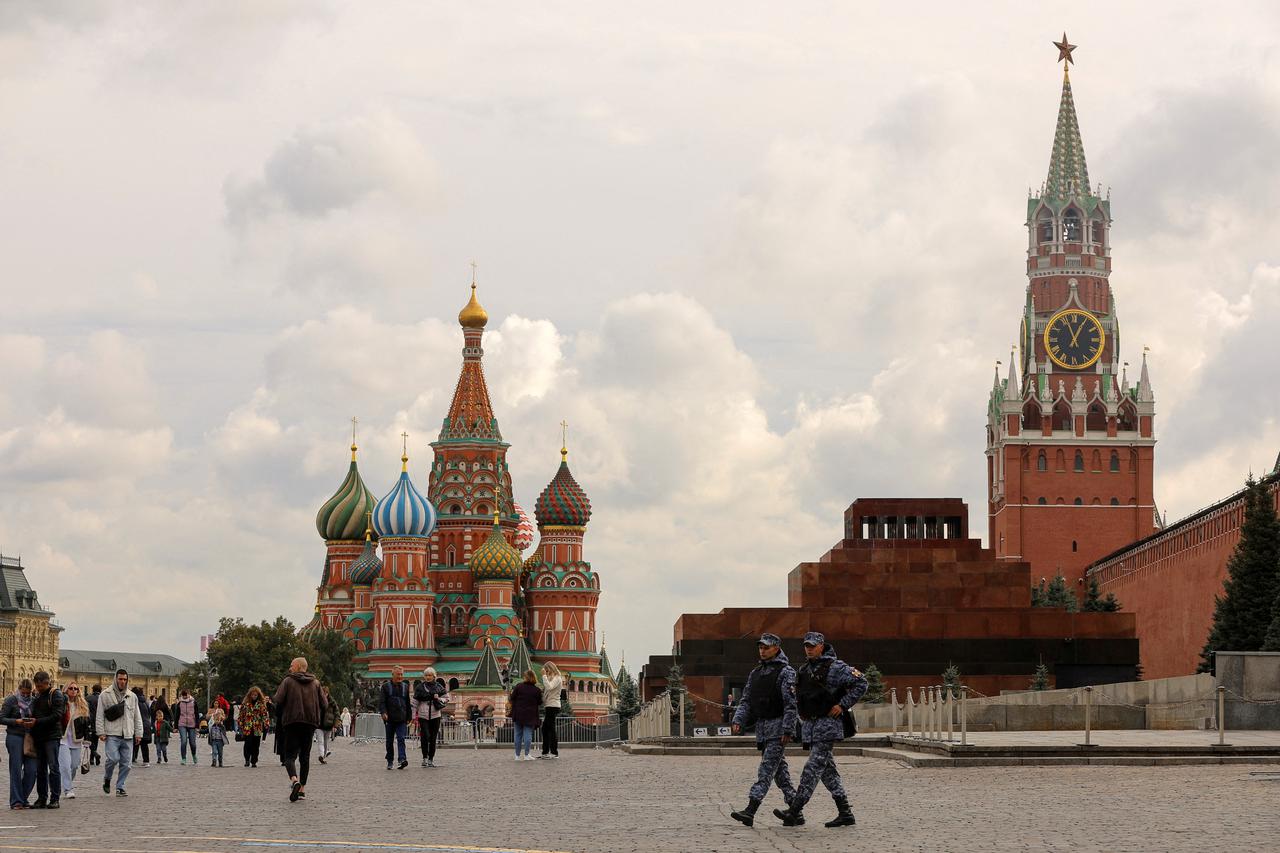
(813,638)
(769,640)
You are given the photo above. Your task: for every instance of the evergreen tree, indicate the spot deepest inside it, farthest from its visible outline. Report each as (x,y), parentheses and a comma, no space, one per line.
(951,681)
(1092,597)
(628,695)
(1244,613)
(1040,681)
(875,685)
(1039,594)
(675,686)
(1059,595)
(1110,604)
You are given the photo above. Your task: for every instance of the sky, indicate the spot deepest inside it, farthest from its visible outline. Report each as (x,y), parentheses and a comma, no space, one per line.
(762,258)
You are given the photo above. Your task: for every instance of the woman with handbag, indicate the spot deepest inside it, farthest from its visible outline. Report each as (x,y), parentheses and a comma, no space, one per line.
(252,724)
(15,715)
(73,739)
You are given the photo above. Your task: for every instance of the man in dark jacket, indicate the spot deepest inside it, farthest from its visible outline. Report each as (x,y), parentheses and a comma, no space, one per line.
(299,708)
(393,705)
(769,701)
(826,690)
(47,707)
(92,699)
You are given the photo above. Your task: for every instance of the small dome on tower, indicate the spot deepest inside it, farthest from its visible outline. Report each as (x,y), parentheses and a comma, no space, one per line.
(365,568)
(473,315)
(495,559)
(404,511)
(525,530)
(342,516)
(563,503)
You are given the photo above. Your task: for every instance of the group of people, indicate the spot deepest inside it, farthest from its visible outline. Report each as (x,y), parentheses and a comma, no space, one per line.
(819,697)
(422,705)
(53,735)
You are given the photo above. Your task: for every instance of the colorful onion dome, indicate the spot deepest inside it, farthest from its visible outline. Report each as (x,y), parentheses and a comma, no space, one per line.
(365,568)
(473,315)
(343,515)
(563,503)
(525,530)
(312,629)
(495,559)
(404,511)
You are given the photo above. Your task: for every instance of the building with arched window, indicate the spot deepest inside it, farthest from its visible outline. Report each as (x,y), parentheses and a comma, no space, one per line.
(28,634)
(437,577)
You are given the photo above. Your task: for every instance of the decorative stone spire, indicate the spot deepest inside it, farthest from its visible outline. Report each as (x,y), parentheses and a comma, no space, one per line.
(1011,388)
(1145,392)
(471,412)
(1068,173)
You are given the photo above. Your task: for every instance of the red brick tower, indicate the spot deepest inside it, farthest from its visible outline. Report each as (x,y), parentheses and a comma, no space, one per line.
(469,480)
(1070,445)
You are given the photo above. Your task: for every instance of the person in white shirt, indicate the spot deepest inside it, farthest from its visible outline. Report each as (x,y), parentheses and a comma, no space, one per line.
(552,684)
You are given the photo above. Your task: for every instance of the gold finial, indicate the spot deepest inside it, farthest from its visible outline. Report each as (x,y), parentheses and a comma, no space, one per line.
(497,517)
(368,526)
(353,439)
(473,315)
(404,451)
(564,441)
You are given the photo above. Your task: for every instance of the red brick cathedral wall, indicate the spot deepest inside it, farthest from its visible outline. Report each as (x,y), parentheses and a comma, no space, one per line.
(1169,582)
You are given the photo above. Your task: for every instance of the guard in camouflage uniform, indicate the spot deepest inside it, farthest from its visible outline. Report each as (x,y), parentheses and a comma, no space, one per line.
(769,701)
(826,689)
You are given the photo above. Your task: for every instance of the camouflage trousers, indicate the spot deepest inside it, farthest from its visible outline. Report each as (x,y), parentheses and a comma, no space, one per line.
(821,765)
(773,768)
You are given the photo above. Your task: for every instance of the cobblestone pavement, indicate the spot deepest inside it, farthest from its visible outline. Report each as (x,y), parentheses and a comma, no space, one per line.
(594,801)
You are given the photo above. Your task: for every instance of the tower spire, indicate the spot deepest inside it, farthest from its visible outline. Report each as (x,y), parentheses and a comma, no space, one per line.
(1068,172)
(564,441)
(353,439)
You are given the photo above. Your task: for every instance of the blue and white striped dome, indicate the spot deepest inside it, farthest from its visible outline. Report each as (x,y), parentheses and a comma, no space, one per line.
(404,511)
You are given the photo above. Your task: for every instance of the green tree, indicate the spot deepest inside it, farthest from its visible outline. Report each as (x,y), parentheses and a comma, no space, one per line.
(193,678)
(1244,613)
(331,657)
(951,681)
(675,685)
(1040,680)
(1039,594)
(875,685)
(1060,595)
(243,655)
(628,694)
(1094,602)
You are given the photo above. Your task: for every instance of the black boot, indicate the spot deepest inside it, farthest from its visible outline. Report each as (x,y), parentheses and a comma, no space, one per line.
(799,817)
(790,816)
(747,815)
(845,817)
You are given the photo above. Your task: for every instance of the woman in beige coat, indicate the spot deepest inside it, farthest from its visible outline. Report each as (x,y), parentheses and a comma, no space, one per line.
(552,684)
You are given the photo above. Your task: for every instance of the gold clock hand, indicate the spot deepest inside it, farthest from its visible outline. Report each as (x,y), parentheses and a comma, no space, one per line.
(1076,336)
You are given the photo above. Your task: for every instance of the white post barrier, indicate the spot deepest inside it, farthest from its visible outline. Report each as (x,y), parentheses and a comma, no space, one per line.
(680,697)
(893,709)
(951,701)
(911,714)
(1222,720)
(937,712)
(1088,709)
(964,716)
(933,713)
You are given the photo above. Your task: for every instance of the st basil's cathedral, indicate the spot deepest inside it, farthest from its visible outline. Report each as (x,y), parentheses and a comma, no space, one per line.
(440,578)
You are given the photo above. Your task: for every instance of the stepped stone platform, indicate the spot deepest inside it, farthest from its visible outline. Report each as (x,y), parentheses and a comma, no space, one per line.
(1013,749)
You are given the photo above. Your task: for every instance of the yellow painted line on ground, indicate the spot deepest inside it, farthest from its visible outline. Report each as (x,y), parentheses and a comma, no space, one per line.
(95,849)
(381,845)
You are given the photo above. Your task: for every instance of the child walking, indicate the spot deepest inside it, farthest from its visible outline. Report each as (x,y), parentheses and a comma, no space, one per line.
(163,731)
(217,735)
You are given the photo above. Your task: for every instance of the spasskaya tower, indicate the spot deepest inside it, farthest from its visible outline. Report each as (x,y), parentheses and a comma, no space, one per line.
(1070,443)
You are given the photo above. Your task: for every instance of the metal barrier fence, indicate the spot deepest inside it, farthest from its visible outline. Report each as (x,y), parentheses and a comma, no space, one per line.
(599,731)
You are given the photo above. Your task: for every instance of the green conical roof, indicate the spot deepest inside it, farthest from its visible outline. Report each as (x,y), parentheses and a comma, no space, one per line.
(487,673)
(520,661)
(606,669)
(1068,172)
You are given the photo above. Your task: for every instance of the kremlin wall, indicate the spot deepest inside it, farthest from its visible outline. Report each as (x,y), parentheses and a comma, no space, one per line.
(1070,461)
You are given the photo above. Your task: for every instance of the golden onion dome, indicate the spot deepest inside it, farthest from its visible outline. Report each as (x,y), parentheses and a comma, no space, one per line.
(473,315)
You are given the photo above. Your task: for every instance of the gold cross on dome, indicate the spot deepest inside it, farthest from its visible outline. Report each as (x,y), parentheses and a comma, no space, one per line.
(564,440)
(404,443)
(473,272)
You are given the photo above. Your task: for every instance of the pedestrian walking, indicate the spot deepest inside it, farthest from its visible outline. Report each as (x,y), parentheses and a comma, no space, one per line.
(346,722)
(217,736)
(552,684)
(526,698)
(393,705)
(299,706)
(160,705)
(768,702)
(48,706)
(430,696)
(826,690)
(253,723)
(328,720)
(162,731)
(148,723)
(188,725)
(72,746)
(119,726)
(94,694)
(15,715)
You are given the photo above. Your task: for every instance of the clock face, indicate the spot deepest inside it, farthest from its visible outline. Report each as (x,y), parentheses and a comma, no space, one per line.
(1074,339)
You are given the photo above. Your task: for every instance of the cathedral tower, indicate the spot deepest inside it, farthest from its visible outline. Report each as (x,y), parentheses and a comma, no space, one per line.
(1070,444)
